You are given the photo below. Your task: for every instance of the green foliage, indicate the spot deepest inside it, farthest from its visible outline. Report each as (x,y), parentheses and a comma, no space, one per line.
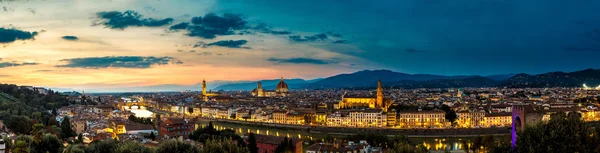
(65,127)
(54,111)
(190,110)
(18,124)
(78,148)
(80,138)
(224,145)
(502,147)
(20,147)
(141,120)
(405,147)
(28,101)
(286,146)
(37,132)
(25,138)
(48,144)
(8,144)
(37,116)
(152,136)
(563,133)
(445,108)
(172,146)
(132,147)
(373,138)
(104,146)
(252,146)
(451,116)
(209,132)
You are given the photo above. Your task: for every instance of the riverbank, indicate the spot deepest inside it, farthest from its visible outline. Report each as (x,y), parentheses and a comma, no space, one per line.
(443,133)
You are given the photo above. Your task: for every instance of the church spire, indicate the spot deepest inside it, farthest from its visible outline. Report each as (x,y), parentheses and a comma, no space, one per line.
(379,93)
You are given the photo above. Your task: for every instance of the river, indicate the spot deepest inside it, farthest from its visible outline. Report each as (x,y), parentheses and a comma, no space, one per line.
(433,143)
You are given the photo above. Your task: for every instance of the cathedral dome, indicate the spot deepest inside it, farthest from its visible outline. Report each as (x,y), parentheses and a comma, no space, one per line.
(281,86)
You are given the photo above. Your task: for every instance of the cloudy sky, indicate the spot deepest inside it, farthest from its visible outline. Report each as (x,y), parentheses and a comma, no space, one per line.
(121,43)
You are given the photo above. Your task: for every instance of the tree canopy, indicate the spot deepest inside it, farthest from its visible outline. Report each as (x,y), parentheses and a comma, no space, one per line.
(562,133)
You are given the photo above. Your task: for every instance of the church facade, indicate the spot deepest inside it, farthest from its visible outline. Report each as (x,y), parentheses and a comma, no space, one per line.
(281,90)
(377,102)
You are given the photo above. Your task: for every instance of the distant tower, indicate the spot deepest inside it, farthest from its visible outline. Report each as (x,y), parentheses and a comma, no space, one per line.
(379,93)
(259,86)
(259,91)
(203,87)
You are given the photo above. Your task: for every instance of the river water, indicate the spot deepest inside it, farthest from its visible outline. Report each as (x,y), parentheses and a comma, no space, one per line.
(433,143)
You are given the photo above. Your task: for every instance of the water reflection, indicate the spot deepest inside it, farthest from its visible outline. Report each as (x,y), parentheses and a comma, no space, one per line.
(432,143)
(140,112)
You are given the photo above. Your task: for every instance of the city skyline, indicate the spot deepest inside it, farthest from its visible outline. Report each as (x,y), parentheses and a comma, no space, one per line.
(100,44)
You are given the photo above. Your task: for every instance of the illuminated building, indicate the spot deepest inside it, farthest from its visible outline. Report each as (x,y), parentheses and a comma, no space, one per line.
(468,119)
(279,116)
(591,115)
(416,119)
(268,144)
(294,118)
(358,118)
(319,118)
(498,120)
(585,87)
(119,127)
(205,95)
(175,127)
(281,90)
(368,102)
(368,118)
(391,118)
(338,119)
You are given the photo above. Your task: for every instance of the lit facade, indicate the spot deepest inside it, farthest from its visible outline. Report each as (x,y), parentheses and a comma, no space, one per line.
(421,119)
(498,120)
(468,119)
(206,94)
(366,102)
(358,118)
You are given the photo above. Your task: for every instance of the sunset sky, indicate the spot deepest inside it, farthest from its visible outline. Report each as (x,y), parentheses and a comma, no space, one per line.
(86,44)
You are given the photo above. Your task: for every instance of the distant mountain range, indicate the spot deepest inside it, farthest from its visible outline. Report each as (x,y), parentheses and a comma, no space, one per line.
(267,84)
(368,79)
(390,79)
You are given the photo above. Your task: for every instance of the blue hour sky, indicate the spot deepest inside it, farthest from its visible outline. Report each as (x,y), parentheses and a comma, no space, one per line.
(97,43)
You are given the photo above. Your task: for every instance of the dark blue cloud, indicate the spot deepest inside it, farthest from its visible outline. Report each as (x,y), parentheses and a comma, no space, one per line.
(122,20)
(301,61)
(334,34)
(212,25)
(339,41)
(12,35)
(264,28)
(229,43)
(119,62)
(205,54)
(71,38)
(317,37)
(179,26)
(14,63)
(197,20)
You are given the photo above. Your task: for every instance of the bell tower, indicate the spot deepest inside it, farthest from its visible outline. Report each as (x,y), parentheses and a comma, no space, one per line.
(379,94)
(203,87)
